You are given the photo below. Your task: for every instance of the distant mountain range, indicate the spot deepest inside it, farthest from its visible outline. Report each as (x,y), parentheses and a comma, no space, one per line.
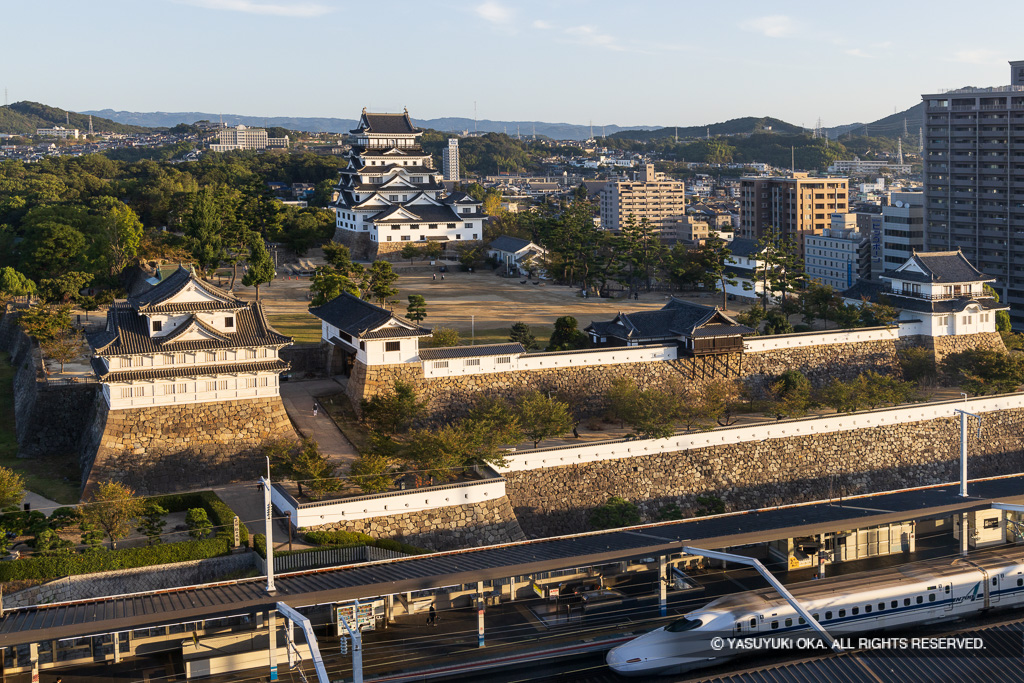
(558,131)
(23,118)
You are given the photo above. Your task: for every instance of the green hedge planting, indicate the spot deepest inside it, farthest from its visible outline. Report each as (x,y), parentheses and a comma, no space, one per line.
(58,566)
(337,539)
(222,516)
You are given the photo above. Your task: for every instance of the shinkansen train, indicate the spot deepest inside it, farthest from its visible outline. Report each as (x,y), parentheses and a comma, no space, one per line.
(911,595)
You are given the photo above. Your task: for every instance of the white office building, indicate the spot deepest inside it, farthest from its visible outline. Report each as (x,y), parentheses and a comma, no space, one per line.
(450,161)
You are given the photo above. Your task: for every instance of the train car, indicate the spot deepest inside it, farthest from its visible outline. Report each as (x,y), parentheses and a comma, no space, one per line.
(911,595)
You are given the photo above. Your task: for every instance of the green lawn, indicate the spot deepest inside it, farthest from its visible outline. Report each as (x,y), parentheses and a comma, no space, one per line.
(303,327)
(54,477)
(499,335)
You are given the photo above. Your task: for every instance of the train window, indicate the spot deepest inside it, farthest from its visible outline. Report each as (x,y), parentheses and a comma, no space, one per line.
(881,606)
(842,613)
(867,608)
(920,599)
(895,604)
(789,622)
(931,598)
(683,624)
(856,610)
(775,624)
(1020,582)
(802,622)
(828,615)
(816,617)
(947,589)
(994,581)
(906,602)
(753,623)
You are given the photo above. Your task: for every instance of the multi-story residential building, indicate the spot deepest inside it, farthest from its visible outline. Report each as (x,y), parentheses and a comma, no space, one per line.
(794,205)
(450,161)
(902,227)
(837,257)
(58,132)
(390,193)
(652,196)
(243,137)
(186,341)
(974,181)
(857,167)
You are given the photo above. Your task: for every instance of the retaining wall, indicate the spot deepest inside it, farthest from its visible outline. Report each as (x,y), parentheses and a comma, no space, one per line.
(785,468)
(127,581)
(174,448)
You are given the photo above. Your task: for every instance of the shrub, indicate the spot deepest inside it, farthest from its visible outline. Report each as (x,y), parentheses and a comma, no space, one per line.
(617,512)
(198,523)
(47,568)
(222,516)
(348,539)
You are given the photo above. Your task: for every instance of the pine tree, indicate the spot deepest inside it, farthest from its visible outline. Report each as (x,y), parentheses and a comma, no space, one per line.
(521,332)
(417,309)
(261,268)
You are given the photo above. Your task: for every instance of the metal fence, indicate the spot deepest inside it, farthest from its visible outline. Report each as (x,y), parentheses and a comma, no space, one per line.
(330,557)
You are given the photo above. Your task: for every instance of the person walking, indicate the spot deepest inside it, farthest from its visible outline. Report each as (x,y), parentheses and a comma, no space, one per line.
(315,406)
(432,616)
(435,276)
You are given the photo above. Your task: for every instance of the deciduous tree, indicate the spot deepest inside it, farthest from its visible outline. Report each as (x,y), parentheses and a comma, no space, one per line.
(444,336)
(260,269)
(113,508)
(542,417)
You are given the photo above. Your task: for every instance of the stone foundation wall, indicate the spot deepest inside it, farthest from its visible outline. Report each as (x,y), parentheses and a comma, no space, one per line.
(306,358)
(49,418)
(174,448)
(359,244)
(447,528)
(126,581)
(559,500)
(987,341)
(448,397)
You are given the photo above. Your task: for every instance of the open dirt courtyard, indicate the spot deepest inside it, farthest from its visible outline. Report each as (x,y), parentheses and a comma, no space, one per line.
(479,301)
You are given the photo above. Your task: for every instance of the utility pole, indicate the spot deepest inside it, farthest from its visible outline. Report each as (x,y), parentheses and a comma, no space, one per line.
(268,510)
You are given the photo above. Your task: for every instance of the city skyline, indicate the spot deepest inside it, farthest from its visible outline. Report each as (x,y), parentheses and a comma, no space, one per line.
(563,61)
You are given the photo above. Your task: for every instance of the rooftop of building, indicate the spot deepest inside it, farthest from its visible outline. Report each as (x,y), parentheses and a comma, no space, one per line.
(364,320)
(386,124)
(938,267)
(677,318)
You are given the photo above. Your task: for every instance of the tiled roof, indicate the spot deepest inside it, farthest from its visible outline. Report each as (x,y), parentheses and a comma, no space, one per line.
(358,318)
(153,300)
(943,305)
(460,198)
(676,319)
(471,351)
(423,213)
(398,124)
(743,247)
(940,267)
(275,365)
(509,244)
(127,333)
(192,322)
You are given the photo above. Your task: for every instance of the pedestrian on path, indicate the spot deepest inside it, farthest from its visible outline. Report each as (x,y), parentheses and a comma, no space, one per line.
(315,406)
(435,276)
(432,616)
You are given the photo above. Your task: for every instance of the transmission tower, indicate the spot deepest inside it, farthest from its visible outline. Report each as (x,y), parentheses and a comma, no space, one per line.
(900,148)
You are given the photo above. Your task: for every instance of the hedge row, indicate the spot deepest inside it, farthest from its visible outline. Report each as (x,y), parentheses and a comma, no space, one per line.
(58,566)
(338,539)
(344,539)
(222,516)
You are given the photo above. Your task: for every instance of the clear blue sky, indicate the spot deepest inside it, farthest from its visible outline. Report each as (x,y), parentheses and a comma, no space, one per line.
(630,62)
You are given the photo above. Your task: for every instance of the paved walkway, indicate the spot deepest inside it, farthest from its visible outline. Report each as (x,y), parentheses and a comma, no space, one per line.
(299,398)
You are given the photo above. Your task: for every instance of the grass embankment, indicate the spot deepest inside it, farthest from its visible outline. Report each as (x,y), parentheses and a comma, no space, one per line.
(341,411)
(54,477)
(302,327)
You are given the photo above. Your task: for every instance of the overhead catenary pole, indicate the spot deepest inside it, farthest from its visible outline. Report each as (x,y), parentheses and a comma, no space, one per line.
(268,511)
(786,595)
(963,447)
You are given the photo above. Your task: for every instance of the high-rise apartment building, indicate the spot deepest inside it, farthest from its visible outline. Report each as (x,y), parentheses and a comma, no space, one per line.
(796,205)
(902,227)
(660,200)
(450,161)
(974,181)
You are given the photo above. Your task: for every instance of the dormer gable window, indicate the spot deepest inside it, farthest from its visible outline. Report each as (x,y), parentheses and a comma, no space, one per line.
(158,325)
(229,322)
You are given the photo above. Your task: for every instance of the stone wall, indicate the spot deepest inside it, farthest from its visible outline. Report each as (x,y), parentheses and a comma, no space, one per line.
(559,500)
(449,396)
(306,358)
(945,346)
(446,528)
(127,581)
(360,245)
(174,448)
(49,418)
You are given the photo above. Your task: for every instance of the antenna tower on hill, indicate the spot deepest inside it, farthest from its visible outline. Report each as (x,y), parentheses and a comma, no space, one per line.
(90,124)
(900,148)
